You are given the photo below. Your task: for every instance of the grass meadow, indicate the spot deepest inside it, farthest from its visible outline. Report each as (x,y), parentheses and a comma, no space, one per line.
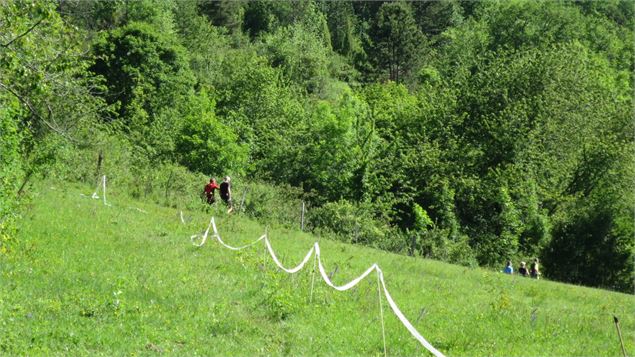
(89,279)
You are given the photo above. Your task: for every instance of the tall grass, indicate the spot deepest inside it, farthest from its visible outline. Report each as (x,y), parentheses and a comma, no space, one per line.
(89,279)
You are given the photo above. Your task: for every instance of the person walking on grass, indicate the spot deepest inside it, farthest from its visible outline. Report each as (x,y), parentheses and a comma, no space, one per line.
(209,191)
(509,269)
(534,269)
(226,193)
(523,269)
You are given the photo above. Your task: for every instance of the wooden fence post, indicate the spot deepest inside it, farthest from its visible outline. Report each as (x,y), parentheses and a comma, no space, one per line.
(619,333)
(302,217)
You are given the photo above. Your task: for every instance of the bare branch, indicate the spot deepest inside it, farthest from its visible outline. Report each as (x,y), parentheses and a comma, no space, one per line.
(23,34)
(28,104)
(20,98)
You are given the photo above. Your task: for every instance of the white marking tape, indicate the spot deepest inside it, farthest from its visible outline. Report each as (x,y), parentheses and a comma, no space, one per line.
(229,246)
(316,249)
(103,185)
(291,270)
(193,237)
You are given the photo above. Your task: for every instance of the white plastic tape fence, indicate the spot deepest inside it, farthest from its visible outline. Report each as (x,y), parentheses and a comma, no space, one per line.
(316,249)
(102,183)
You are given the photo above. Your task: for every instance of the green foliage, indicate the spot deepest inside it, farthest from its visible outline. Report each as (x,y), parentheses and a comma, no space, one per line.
(10,171)
(46,104)
(95,15)
(224,13)
(343,28)
(482,132)
(592,248)
(207,145)
(273,205)
(353,224)
(591,242)
(396,41)
(327,152)
(434,17)
(301,56)
(144,71)
(147,80)
(207,45)
(422,220)
(252,100)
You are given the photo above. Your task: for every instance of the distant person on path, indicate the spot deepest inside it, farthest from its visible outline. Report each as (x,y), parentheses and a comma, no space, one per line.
(523,269)
(209,190)
(226,193)
(509,269)
(534,269)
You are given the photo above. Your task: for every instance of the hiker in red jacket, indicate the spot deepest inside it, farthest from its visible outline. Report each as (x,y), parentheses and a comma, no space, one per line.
(209,190)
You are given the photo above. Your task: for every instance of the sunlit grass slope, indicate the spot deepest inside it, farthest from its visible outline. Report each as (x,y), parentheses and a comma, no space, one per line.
(89,279)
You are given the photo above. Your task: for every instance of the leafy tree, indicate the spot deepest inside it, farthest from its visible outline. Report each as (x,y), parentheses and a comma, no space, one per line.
(45,98)
(326,149)
(254,101)
(435,17)
(342,27)
(206,145)
(94,15)
(592,243)
(207,45)
(263,17)
(43,67)
(396,40)
(301,56)
(226,13)
(523,24)
(143,71)
(147,77)
(620,11)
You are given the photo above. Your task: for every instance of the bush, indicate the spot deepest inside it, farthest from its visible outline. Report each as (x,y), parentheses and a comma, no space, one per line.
(205,144)
(353,223)
(280,204)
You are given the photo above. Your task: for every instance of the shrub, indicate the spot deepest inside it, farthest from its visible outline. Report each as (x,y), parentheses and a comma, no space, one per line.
(353,223)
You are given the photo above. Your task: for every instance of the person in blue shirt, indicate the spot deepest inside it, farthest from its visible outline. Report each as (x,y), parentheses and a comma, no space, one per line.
(509,269)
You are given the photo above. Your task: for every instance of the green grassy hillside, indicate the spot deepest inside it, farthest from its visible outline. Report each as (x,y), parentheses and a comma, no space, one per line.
(89,279)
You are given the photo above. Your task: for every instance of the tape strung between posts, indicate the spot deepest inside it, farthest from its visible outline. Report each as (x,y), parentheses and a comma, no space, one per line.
(316,249)
(103,184)
(229,246)
(292,270)
(193,237)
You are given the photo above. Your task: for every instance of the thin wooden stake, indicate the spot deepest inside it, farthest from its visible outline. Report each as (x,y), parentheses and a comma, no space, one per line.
(619,333)
(302,217)
(242,201)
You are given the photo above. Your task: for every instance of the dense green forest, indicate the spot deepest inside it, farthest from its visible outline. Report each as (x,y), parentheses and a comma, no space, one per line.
(469,132)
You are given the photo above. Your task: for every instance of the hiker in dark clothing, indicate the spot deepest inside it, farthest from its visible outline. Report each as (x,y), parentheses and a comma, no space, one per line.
(226,193)
(523,269)
(209,190)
